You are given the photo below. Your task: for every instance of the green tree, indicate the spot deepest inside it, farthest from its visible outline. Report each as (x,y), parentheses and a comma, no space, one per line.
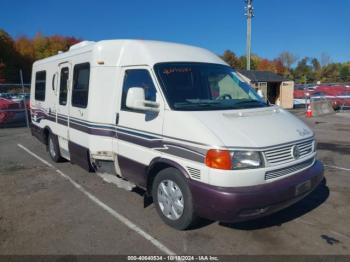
(303,71)
(287,59)
(330,73)
(344,73)
(316,67)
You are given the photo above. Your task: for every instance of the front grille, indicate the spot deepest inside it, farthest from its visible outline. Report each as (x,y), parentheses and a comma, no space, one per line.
(194,173)
(288,170)
(283,154)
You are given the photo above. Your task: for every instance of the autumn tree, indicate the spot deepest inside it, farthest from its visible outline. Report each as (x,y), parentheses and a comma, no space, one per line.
(279,67)
(265,65)
(231,58)
(8,58)
(24,46)
(2,73)
(22,52)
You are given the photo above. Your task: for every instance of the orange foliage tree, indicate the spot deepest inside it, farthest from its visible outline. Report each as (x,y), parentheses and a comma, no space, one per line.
(23,51)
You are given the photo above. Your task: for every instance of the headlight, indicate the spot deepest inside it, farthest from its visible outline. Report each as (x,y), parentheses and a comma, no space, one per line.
(246,159)
(228,160)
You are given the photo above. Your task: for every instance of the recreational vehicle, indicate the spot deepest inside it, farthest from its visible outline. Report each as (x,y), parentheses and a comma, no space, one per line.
(176,121)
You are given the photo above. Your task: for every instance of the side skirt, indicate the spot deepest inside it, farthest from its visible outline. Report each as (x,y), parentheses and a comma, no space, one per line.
(133,171)
(79,155)
(38,132)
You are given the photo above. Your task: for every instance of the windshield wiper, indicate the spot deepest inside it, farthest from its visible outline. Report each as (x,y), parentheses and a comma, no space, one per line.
(248,101)
(202,101)
(197,104)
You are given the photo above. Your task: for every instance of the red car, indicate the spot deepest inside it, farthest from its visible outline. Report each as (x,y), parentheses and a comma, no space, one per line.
(11,111)
(343,99)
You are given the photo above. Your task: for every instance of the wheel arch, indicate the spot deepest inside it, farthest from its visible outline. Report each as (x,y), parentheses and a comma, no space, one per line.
(46,132)
(158,164)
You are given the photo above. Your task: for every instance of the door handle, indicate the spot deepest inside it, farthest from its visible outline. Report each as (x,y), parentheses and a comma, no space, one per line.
(117,119)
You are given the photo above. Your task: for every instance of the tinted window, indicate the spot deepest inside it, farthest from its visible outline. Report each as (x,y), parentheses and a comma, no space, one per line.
(63,85)
(138,78)
(80,92)
(40,85)
(202,86)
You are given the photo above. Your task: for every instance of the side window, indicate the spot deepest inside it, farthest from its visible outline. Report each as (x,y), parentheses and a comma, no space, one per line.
(138,78)
(63,85)
(40,85)
(80,92)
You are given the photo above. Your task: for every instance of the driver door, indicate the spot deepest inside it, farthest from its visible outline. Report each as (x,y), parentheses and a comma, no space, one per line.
(138,131)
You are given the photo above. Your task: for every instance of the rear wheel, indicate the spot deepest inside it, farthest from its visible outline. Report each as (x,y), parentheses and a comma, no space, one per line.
(53,148)
(173,199)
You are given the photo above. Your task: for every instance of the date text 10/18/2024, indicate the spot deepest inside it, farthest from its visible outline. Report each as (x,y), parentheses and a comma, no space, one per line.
(173,258)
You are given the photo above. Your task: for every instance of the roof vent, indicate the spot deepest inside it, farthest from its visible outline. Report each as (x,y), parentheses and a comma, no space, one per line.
(81,45)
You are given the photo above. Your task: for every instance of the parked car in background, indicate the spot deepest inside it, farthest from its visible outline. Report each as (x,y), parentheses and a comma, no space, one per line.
(337,94)
(12,108)
(344,99)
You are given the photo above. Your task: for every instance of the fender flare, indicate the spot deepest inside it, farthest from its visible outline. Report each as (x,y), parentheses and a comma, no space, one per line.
(43,138)
(169,162)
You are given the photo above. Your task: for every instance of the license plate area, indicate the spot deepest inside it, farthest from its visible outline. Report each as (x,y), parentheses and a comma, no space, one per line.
(303,188)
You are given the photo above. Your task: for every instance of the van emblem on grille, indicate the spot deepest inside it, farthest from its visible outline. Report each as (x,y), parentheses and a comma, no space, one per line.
(303,132)
(295,152)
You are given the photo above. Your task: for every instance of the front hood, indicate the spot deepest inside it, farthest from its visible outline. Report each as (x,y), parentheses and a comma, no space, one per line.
(258,127)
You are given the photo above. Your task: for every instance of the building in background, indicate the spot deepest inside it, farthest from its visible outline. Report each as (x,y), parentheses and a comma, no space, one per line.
(275,88)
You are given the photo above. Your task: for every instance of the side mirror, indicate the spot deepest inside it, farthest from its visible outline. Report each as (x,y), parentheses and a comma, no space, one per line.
(135,99)
(260,93)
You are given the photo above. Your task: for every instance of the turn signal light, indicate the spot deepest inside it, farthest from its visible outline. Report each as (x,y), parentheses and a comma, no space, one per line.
(219,159)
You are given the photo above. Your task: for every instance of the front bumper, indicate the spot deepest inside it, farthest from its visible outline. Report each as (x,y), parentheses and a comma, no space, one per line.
(235,204)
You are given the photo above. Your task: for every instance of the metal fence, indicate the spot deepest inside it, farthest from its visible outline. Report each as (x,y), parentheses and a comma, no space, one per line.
(14,105)
(339,103)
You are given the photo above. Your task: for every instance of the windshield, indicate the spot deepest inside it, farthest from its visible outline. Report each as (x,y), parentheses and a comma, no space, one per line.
(202,86)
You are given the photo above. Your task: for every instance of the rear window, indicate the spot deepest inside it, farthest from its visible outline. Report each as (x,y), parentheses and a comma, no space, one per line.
(80,92)
(40,85)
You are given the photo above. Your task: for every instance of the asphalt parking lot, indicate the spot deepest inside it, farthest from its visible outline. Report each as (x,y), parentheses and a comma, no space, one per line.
(62,209)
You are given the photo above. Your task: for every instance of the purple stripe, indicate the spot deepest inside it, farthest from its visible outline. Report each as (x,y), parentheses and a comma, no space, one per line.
(188,152)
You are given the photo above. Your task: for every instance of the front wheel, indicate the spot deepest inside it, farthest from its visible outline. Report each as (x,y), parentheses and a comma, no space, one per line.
(173,199)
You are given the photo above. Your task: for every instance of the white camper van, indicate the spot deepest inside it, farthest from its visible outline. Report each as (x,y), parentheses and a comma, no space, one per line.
(176,121)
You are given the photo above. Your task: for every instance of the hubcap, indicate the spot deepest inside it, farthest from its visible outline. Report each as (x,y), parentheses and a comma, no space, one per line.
(51,148)
(170,199)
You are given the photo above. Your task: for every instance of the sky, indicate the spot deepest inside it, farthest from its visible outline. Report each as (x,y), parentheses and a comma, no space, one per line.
(303,27)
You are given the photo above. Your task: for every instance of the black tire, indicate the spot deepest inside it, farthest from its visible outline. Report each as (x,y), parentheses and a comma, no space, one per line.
(188,217)
(54,152)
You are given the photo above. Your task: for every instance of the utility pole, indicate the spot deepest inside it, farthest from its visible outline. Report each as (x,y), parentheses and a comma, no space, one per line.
(249,13)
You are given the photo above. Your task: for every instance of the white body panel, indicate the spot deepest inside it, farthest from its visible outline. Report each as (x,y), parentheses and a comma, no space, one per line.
(185,136)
